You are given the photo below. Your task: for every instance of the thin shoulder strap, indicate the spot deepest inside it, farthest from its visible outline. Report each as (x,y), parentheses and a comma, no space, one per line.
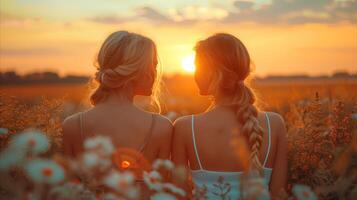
(81,125)
(148,135)
(194,142)
(269,138)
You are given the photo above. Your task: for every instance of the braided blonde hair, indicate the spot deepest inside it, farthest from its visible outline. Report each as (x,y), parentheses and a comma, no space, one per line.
(227,56)
(123,58)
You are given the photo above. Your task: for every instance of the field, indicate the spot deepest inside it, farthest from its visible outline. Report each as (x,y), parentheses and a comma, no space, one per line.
(319,115)
(184,98)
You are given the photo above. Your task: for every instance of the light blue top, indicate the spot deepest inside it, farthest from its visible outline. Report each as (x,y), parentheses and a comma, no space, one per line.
(207,178)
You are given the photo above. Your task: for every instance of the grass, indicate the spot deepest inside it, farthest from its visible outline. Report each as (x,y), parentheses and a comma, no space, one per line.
(321,130)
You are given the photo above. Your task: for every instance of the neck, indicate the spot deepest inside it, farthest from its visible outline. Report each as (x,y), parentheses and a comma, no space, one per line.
(223,99)
(120,97)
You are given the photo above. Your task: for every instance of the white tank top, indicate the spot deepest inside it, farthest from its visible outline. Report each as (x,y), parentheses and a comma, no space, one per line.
(207,178)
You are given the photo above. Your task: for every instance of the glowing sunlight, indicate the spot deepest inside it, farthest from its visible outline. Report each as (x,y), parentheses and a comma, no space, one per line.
(188,63)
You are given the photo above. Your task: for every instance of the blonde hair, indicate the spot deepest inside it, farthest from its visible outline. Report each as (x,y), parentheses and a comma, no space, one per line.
(125,57)
(229,59)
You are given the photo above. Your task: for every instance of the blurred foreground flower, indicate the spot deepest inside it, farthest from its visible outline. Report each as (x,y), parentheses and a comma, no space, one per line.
(122,183)
(303,192)
(163,196)
(10,157)
(153,180)
(4,131)
(100,143)
(253,186)
(44,171)
(167,164)
(31,141)
(69,191)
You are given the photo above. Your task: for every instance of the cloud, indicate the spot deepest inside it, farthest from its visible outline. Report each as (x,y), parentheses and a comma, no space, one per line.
(296,12)
(29,52)
(244,5)
(149,13)
(110,19)
(198,13)
(145,13)
(276,12)
(142,13)
(10,20)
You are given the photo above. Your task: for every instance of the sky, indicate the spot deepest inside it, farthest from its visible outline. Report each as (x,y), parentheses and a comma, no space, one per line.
(283,37)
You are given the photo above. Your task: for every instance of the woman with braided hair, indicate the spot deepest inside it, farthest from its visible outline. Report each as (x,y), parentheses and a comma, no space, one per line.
(127,67)
(203,143)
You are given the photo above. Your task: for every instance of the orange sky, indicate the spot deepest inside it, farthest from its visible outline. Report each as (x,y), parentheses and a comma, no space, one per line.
(36,40)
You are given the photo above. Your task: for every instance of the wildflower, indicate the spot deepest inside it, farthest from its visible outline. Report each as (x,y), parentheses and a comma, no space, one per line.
(90,159)
(31,196)
(254,186)
(10,157)
(354,116)
(258,192)
(172,188)
(303,192)
(70,191)
(99,143)
(111,196)
(44,171)
(163,196)
(31,141)
(179,174)
(4,131)
(152,180)
(167,164)
(122,182)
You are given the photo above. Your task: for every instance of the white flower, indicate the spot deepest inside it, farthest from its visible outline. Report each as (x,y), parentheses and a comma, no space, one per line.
(153,180)
(111,196)
(303,192)
(90,159)
(11,157)
(4,131)
(162,196)
(44,171)
(171,187)
(254,186)
(123,183)
(31,196)
(71,191)
(354,116)
(32,141)
(167,164)
(99,143)
(118,180)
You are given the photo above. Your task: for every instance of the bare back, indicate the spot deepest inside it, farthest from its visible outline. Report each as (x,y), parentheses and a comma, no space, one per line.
(213,138)
(126,125)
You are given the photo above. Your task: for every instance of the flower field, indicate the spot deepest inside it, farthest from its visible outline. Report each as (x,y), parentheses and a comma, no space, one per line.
(322,136)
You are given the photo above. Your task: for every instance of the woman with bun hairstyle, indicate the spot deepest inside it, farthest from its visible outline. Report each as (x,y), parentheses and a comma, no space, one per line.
(127,67)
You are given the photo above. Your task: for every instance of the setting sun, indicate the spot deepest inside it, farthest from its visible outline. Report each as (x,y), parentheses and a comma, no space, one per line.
(188,63)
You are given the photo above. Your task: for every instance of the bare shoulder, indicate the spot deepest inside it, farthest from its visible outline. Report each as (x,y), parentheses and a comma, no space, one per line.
(277,124)
(182,122)
(163,126)
(70,126)
(182,127)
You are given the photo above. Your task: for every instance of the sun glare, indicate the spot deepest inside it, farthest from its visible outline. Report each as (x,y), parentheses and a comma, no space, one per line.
(188,63)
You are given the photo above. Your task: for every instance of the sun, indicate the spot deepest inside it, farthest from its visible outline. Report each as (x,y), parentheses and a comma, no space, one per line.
(188,63)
